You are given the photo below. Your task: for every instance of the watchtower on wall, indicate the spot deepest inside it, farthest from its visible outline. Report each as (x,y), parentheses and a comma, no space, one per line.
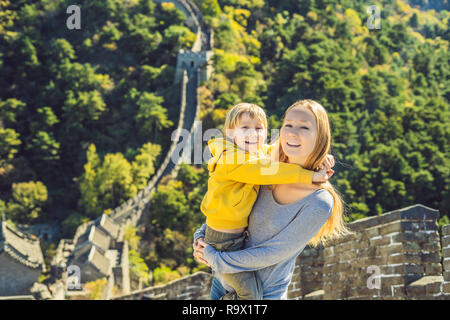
(193,62)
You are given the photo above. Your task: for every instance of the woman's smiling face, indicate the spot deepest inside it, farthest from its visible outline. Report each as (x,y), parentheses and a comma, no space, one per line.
(298,134)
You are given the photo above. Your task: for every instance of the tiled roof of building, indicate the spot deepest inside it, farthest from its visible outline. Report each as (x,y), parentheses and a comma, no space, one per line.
(21,247)
(99,261)
(80,255)
(109,225)
(96,236)
(90,254)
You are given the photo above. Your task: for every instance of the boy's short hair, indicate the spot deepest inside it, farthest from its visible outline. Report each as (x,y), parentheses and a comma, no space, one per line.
(236,112)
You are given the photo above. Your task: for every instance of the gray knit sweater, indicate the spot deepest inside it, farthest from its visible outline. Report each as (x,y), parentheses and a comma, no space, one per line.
(277,235)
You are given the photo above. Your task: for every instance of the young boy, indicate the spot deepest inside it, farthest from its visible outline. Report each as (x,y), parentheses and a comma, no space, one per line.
(239,165)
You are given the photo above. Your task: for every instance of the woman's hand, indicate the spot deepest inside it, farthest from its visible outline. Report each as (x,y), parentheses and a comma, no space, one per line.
(199,245)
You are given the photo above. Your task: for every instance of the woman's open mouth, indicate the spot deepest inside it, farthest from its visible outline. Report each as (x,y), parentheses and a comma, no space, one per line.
(251,143)
(293,145)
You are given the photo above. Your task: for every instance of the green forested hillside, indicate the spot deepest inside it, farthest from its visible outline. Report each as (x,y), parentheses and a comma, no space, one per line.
(82,111)
(96,104)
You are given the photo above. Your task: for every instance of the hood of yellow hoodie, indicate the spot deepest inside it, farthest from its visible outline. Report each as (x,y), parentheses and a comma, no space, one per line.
(217,146)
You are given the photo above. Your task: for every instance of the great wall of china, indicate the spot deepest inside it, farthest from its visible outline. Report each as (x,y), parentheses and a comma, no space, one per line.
(399,255)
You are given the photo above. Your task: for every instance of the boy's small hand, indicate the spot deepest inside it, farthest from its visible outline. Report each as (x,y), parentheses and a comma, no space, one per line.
(328,162)
(320,176)
(330,173)
(325,172)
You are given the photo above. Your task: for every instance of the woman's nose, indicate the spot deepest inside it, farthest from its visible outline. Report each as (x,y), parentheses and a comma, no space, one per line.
(292,133)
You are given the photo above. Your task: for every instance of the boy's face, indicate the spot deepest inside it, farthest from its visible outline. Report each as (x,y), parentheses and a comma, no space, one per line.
(249,134)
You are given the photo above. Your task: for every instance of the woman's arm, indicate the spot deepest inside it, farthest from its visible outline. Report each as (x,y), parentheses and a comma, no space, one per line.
(200,232)
(287,243)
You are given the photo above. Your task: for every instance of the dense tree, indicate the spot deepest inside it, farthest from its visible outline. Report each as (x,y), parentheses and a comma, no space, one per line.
(105,184)
(173,216)
(151,116)
(26,201)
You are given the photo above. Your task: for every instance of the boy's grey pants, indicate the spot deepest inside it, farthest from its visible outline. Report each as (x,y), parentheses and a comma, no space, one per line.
(246,284)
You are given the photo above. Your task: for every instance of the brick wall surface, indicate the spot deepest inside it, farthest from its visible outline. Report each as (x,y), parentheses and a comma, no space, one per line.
(192,287)
(15,278)
(394,256)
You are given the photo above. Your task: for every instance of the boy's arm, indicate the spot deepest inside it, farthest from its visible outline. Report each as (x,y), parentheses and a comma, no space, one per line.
(269,148)
(261,170)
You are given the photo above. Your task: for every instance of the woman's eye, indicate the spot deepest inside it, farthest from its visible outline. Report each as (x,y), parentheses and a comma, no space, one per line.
(244,127)
(305,128)
(288,125)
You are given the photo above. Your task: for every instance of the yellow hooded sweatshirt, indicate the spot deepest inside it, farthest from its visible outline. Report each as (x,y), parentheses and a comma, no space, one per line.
(234,180)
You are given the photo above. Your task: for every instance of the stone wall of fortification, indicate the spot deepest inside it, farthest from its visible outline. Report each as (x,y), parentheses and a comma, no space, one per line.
(399,255)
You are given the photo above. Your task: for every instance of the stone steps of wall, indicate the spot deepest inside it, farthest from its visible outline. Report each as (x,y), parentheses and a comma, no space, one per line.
(427,288)
(161,296)
(315,295)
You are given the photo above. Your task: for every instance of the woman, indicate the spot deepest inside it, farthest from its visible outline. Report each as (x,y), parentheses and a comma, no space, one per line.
(285,217)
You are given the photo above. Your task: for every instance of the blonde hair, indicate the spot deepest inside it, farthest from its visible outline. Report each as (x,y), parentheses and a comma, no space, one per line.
(254,111)
(334,227)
